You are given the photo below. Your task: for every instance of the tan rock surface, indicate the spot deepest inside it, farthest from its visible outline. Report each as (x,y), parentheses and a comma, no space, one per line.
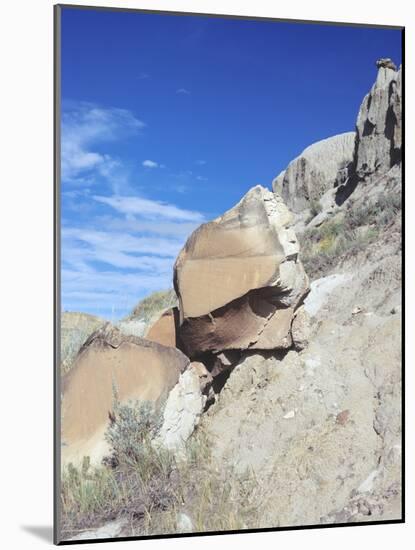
(164,330)
(137,368)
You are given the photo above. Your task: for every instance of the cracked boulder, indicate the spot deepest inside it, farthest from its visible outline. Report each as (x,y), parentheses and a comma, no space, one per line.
(239,279)
(110,363)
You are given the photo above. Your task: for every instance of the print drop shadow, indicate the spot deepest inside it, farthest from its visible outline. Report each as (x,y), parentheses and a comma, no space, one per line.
(43,532)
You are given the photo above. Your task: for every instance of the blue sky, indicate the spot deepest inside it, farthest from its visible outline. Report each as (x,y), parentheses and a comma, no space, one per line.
(167,122)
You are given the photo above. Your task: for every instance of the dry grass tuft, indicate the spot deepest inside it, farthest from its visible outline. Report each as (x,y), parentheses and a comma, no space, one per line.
(151,489)
(155,302)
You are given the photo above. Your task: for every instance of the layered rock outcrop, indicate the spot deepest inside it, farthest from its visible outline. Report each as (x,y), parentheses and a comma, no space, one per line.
(112,363)
(317,169)
(239,278)
(324,176)
(378,126)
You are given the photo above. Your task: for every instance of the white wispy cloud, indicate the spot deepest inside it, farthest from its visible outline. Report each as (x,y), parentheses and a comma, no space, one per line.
(112,257)
(183,91)
(200,162)
(151,209)
(84,127)
(113,242)
(112,294)
(150,163)
(131,224)
(106,271)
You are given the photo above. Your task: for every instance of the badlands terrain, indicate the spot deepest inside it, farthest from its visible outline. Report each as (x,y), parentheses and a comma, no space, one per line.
(265,389)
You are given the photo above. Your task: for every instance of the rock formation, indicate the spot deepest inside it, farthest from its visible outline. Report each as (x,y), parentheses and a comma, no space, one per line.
(324,176)
(386,62)
(239,279)
(165,330)
(183,410)
(109,361)
(319,168)
(378,126)
(147,312)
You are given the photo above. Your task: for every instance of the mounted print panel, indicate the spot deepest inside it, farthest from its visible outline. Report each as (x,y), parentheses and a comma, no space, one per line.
(228,274)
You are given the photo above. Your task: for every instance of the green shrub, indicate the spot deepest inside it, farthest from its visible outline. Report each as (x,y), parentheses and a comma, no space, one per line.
(129,435)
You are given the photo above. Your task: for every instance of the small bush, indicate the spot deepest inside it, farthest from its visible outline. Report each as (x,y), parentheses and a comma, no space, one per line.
(132,427)
(135,480)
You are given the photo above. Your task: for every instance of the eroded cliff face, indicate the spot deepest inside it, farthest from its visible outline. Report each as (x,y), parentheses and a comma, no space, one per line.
(379,125)
(316,184)
(317,170)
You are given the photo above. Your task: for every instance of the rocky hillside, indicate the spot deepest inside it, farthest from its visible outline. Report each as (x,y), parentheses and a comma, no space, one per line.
(283,353)
(321,427)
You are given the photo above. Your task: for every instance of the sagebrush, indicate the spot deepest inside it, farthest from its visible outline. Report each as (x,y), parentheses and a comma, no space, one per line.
(147,486)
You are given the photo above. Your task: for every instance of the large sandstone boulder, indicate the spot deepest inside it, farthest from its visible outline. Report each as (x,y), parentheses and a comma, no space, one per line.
(320,167)
(109,361)
(239,278)
(379,123)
